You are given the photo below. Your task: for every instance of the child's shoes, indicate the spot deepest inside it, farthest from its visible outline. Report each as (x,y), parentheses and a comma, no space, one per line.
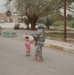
(28,55)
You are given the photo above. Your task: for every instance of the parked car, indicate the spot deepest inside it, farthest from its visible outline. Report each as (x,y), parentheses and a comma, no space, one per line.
(17,26)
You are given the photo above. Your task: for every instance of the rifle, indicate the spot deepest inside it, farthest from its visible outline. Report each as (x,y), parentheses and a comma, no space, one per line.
(35,39)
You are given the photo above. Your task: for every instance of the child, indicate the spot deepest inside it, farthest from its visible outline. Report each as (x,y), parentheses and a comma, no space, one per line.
(27,45)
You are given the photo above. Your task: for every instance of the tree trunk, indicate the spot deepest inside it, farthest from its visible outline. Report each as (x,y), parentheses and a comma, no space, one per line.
(33,25)
(33,21)
(48,27)
(28,26)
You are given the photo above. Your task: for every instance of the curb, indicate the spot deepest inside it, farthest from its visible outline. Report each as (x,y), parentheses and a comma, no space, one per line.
(69,50)
(55,47)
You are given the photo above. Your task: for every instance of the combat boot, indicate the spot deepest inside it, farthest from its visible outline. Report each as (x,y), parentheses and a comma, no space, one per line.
(40,60)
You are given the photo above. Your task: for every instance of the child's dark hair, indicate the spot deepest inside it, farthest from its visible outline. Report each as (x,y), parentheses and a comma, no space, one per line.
(27,37)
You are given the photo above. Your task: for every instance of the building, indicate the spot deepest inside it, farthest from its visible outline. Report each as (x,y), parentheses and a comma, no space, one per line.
(3,17)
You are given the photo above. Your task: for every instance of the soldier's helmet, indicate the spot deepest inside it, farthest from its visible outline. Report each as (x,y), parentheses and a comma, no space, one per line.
(40,26)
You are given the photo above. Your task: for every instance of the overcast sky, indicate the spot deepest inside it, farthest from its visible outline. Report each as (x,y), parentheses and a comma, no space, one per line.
(2,8)
(2,1)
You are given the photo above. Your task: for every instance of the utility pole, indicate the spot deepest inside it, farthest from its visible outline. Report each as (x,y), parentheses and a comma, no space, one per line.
(65,20)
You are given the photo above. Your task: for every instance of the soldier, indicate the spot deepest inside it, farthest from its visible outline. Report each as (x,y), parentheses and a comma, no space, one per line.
(40,38)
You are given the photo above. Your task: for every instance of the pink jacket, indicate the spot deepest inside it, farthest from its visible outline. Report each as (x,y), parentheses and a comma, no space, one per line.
(27,44)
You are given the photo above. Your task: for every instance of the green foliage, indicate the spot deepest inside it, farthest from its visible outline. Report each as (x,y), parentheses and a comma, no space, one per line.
(40,20)
(72,25)
(26,21)
(48,21)
(69,17)
(57,16)
(58,23)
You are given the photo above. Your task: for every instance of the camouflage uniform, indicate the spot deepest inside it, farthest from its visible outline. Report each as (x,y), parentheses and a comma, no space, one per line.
(40,35)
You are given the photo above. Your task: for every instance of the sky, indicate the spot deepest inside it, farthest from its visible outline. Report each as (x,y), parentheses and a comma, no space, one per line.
(2,8)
